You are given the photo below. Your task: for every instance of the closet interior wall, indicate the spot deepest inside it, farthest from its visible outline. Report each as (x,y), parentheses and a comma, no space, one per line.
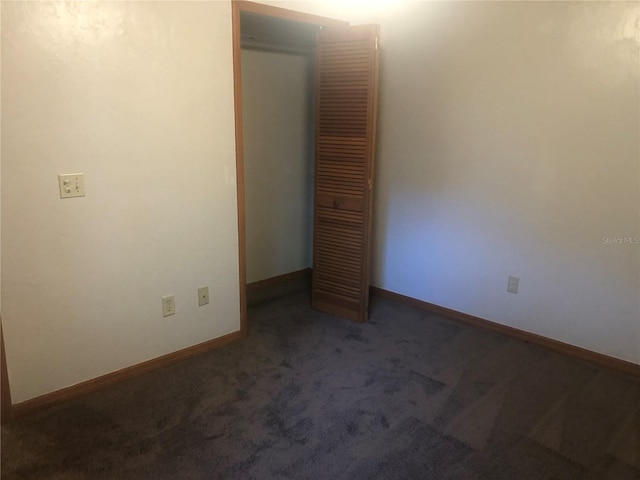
(278,102)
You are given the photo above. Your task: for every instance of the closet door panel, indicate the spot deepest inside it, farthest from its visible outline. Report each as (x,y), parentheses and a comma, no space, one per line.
(347,70)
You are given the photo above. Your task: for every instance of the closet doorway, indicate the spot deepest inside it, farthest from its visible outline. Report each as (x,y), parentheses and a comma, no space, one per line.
(305,91)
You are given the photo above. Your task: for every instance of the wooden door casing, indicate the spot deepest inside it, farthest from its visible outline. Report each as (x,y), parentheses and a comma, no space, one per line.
(5,394)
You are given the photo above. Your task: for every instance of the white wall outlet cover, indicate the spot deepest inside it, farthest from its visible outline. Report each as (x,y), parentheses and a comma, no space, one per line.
(168,305)
(513,285)
(71,185)
(203,296)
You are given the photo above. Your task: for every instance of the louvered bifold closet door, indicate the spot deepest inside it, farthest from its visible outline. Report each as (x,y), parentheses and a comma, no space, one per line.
(347,69)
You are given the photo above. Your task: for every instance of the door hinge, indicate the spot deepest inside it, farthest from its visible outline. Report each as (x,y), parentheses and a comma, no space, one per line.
(369,183)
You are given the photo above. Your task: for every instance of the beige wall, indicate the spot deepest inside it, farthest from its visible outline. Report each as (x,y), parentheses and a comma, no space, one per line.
(518,153)
(139,97)
(277,102)
(508,144)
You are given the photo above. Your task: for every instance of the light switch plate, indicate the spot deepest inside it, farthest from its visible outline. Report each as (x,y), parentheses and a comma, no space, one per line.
(71,185)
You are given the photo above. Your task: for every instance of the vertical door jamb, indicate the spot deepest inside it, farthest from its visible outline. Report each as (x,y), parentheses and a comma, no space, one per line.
(5,394)
(237,106)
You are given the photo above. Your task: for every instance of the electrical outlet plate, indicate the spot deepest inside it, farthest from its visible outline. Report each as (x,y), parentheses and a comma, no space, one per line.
(513,285)
(71,185)
(203,296)
(168,305)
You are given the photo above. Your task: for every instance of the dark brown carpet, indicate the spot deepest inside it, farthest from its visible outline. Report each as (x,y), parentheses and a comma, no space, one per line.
(308,396)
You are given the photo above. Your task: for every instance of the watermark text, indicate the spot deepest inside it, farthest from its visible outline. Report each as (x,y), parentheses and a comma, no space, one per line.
(621,240)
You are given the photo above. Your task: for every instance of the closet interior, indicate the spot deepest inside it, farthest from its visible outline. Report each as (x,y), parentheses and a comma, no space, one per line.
(278,112)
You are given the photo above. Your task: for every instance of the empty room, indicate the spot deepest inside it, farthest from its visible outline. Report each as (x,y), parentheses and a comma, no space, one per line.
(321,239)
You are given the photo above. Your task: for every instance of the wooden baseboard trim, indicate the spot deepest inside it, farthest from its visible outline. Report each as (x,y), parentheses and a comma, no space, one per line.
(622,366)
(30,406)
(275,287)
(279,279)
